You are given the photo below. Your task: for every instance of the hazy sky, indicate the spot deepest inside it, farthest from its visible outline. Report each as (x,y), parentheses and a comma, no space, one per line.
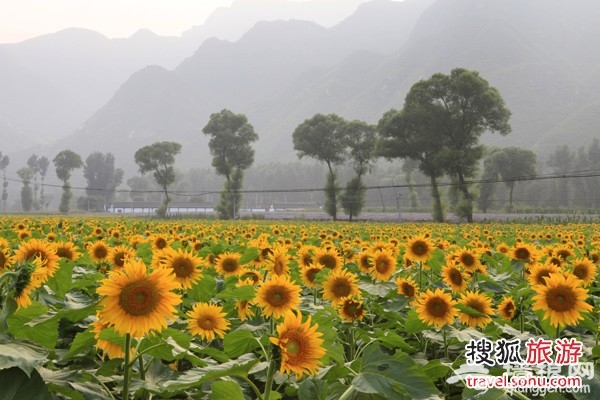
(23,19)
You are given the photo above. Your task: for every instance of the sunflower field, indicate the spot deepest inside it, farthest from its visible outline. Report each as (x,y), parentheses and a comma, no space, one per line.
(132,308)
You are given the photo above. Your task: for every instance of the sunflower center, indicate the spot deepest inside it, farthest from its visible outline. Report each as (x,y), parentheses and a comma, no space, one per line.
(2,260)
(206,323)
(522,253)
(119,259)
(437,307)
(455,277)
(230,265)
(34,253)
(328,261)
(160,243)
(139,298)
(475,305)
(408,290)
(100,252)
(183,268)
(580,271)
(382,266)
(541,277)
(277,297)
(312,273)
(278,267)
(419,248)
(561,298)
(341,289)
(307,259)
(293,347)
(62,252)
(467,259)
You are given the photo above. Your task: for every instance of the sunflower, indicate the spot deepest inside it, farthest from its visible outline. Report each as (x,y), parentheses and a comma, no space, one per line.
(538,273)
(304,256)
(207,321)
(300,345)
(467,259)
(35,248)
(364,262)
(278,260)
(67,250)
(419,248)
(136,302)
(109,349)
(99,251)
(351,309)
(507,309)
(328,258)
(6,258)
(228,264)
(561,299)
(384,264)
(118,255)
(340,284)
(482,305)
(584,269)
(407,287)
(159,242)
(244,309)
(277,296)
(436,308)
(309,272)
(524,252)
(31,275)
(184,265)
(454,277)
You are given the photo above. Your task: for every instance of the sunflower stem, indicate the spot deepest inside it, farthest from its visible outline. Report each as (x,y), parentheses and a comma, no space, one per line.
(142,370)
(270,376)
(557,331)
(127,369)
(253,387)
(445,343)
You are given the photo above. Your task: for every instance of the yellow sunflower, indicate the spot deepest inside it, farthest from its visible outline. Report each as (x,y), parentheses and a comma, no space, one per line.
(482,305)
(309,272)
(584,269)
(6,259)
(364,261)
(184,265)
(561,299)
(67,250)
(340,284)
(159,242)
(109,349)
(278,260)
(300,345)
(419,248)
(136,302)
(31,275)
(454,277)
(407,287)
(467,259)
(507,309)
(118,255)
(304,256)
(328,258)
(351,309)
(99,251)
(35,248)
(524,252)
(277,296)
(384,264)
(244,309)
(538,272)
(436,308)
(207,321)
(228,264)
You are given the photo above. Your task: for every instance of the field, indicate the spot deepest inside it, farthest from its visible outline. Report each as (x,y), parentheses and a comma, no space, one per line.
(112,308)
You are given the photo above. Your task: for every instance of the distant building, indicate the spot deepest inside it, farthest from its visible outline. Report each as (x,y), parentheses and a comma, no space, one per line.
(150,207)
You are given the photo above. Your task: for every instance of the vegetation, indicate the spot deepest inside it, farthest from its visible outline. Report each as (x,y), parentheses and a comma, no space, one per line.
(65,162)
(230,139)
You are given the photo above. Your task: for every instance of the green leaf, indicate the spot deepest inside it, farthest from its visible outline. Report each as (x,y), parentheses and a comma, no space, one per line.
(21,355)
(313,389)
(31,323)
(436,370)
(62,282)
(469,310)
(245,292)
(396,377)
(413,324)
(249,255)
(239,342)
(226,390)
(545,324)
(392,340)
(204,290)
(15,384)
(196,377)
(144,251)
(82,344)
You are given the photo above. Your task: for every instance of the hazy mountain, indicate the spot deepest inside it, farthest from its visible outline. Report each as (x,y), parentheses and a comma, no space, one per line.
(540,54)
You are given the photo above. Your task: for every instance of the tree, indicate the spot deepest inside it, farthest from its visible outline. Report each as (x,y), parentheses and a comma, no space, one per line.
(360,139)
(42,166)
(26,174)
(462,106)
(159,158)
(322,137)
(561,161)
(4,161)
(230,139)
(102,177)
(65,162)
(412,134)
(510,164)
(32,162)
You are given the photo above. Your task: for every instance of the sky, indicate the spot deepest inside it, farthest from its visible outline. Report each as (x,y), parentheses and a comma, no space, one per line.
(23,19)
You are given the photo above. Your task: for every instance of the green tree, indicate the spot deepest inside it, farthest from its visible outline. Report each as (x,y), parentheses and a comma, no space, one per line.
(26,174)
(4,161)
(159,158)
(360,139)
(412,134)
(42,167)
(32,162)
(102,177)
(562,161)
(230,139)
(322,137)
(65,162)
(463,106)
